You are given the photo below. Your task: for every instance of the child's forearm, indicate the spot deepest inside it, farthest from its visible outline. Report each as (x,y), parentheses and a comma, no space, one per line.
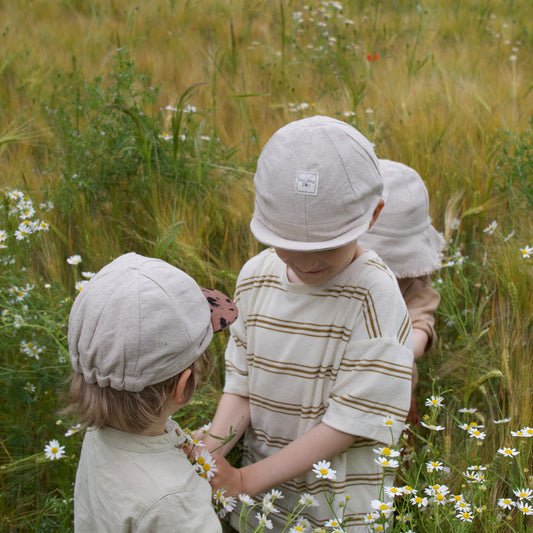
(420,341)
(320,443)
(233,414)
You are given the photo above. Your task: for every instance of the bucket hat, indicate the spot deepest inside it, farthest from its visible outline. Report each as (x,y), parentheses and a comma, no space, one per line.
(317,184)
(140,321)
(403,235)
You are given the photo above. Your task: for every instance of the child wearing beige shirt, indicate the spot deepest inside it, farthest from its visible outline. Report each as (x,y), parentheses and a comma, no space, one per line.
(412,248)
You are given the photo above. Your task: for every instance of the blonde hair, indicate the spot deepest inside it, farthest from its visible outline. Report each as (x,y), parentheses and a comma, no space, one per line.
(128,411)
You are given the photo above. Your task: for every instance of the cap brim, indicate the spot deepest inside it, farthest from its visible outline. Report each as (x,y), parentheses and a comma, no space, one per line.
(264,235)
(223,310)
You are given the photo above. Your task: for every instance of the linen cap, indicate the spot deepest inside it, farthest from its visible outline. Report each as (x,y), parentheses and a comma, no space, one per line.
(140,321)
(403,235)
(317,184)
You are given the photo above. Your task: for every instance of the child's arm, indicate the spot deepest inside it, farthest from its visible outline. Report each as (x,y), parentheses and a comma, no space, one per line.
(233,412)
(422,301)
(420,343)
(320,443)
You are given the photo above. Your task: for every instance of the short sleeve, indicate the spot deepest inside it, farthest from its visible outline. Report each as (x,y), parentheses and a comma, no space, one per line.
(375,375)
(373,384)
(236,362)
(179,512)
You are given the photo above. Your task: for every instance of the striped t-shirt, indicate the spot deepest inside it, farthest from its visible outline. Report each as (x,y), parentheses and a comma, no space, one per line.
(338,353)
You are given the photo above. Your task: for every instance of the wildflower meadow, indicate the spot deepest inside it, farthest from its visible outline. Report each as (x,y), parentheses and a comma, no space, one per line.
(136,127)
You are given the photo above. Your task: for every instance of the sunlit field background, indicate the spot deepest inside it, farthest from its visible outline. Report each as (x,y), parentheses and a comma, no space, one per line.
(135,126)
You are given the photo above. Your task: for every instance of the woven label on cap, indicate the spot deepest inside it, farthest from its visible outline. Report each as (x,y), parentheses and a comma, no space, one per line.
(307,183)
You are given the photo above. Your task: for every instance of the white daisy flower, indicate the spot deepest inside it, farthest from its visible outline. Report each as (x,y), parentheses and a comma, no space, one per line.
(508,452)
(323,470)
(299,527)
(74,260)
(308,500)
(192,441)
(491,228)
(275,494)
(462,505)
(387,463)
(469,410)
(477,468)
(53,450)
(432,466)
(80,284)
(246,500)
(502,421)
(384,508)
(433,427)
(525,508)
(526,252)
(72,430)
(419,501)
(465,516)
(434,401)
(387,452)
(476,433)
(264,521)
(333,523)
(20,235)
(15,194)
(370,518)
(205,465)
(393,492)
(506,503)
(523,494)
(268,505)
(509,236)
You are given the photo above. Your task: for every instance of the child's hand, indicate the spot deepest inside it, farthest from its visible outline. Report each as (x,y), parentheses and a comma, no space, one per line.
(227,477)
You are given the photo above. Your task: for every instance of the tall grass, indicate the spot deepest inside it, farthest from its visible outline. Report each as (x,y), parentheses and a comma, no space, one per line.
(142,123)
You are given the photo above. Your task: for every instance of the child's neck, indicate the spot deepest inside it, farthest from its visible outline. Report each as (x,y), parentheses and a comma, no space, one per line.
(154,430)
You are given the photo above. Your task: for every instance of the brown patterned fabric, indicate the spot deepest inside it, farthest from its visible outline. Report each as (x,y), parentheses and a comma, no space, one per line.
(223,310)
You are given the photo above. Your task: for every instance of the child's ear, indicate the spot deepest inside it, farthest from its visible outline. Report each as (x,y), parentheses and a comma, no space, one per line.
(376,213)
(181,395)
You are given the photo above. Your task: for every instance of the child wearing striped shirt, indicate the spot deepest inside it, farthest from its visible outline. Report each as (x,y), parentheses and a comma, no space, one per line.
(319,361)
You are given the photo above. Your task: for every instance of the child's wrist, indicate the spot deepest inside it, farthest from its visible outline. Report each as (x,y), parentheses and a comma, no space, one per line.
(248,482)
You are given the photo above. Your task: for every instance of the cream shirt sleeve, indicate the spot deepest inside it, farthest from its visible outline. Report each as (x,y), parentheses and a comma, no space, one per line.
(179,512)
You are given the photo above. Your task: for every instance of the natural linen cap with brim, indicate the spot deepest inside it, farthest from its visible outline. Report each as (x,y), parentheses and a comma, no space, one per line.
(403,235)
(317,184)
(140,321)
